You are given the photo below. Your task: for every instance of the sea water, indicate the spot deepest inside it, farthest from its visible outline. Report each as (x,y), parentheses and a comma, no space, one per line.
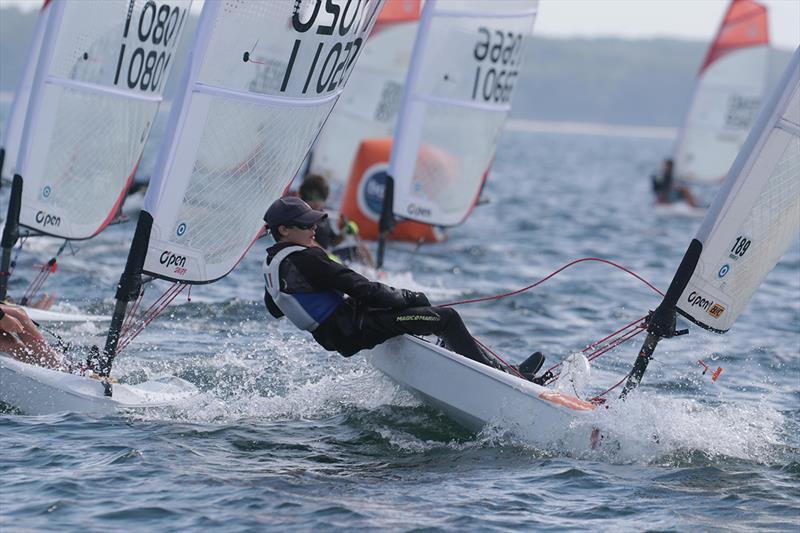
(286,436)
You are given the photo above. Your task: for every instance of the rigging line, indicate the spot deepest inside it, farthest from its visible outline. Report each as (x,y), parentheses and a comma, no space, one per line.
(622,339)
(552,274)
(129,318)
(44,272)
(513,369)
(619,340)
(174,291)
(596,346)
(149,314)
(598,399)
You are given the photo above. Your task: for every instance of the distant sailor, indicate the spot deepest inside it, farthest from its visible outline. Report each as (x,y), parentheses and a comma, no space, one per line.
(340,239)
(344,311)
(667,190)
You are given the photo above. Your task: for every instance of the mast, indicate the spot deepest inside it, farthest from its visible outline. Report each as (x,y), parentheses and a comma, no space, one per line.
(661,323)
(387,220)
(10,234)
(128,288)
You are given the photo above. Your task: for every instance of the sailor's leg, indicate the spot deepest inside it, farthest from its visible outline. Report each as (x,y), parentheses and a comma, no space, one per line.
(442,321)
(31,347)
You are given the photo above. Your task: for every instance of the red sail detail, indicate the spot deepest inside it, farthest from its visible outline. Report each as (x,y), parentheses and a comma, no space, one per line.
(744,25)
(400,11)
(396,12)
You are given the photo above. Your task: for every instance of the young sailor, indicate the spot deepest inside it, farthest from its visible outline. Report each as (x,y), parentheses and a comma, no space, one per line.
(340,239)
(667,191)
(21,339)
(344,311)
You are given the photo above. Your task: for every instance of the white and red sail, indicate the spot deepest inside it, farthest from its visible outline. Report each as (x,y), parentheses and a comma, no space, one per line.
(263,78)
(99,78)
(368,107)
(727,94)
(465,65)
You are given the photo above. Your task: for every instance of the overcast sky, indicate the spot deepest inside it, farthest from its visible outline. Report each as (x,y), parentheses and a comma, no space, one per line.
(684,19)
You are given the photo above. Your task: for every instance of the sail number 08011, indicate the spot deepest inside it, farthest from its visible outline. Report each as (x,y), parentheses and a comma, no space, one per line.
(159,27)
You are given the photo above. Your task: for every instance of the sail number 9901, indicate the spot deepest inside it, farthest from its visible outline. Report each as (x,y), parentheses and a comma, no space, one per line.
(158,27)
(498,54)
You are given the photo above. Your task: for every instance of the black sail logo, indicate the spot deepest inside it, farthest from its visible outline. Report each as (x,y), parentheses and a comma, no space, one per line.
(696,299)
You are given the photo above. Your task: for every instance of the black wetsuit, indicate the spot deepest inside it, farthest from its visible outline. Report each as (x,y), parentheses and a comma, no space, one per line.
(373,313)
(663,186)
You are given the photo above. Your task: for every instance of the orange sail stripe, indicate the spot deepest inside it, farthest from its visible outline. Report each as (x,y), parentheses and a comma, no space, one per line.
(399,11)
(744,25)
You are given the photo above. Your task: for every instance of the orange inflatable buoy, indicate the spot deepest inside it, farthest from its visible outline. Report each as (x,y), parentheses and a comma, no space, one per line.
(363,197)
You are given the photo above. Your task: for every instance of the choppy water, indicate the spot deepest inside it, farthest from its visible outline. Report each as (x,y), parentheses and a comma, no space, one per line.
(287,436)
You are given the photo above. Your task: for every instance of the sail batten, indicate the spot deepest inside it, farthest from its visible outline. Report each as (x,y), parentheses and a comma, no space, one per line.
(262,98)
(469,13)
(102,89)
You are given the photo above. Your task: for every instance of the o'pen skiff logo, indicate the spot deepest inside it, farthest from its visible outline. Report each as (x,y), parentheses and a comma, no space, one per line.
(46,191)
(181,229)
(46,219)
(723,271)
(168,259)
(714,309)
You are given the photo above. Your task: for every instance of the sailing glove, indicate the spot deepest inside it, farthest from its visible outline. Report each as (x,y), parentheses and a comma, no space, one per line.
(415,299)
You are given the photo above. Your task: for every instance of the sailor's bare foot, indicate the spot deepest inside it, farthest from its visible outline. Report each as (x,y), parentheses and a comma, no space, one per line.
(43,303)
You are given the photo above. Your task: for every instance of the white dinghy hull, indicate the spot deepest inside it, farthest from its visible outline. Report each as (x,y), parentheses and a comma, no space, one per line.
(40,391)
(45,315)
(476,395)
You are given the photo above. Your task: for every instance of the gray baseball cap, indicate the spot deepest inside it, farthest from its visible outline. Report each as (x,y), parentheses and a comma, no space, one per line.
(291,210)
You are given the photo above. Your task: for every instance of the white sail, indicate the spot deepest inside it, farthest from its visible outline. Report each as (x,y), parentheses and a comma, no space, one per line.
(369,105)
(19,108)
(754,217)
(262,79)
(727,95)
(99,80)
(465,64)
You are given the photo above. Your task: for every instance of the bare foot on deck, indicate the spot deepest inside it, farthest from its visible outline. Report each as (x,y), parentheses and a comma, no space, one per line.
(44,303)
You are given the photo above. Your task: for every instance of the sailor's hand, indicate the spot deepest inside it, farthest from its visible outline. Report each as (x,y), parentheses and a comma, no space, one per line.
(9,324)
(415,299)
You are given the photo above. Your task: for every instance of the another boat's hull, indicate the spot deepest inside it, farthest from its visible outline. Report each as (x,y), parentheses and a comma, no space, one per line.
(42,315)
(38,391)
(476,395)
